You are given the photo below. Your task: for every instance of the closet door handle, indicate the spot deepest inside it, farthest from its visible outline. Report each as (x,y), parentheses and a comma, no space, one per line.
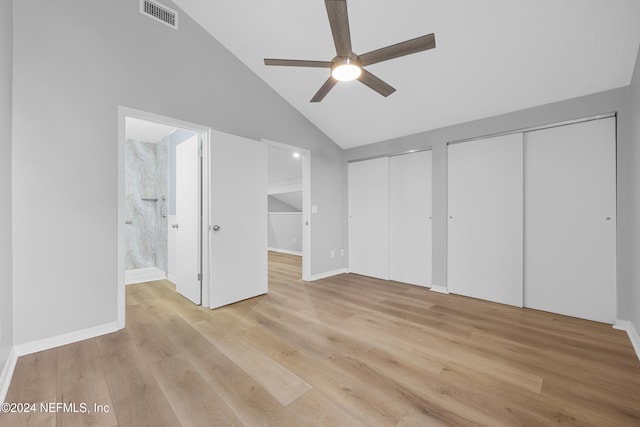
(175,226)
(216,228)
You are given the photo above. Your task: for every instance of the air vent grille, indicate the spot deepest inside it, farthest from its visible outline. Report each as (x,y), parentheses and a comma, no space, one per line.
(159,12)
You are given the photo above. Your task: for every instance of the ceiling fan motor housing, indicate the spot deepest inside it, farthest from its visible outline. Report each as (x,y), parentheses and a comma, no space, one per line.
(346,68)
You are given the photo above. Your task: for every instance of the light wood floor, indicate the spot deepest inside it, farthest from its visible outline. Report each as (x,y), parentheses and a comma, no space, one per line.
(343,351)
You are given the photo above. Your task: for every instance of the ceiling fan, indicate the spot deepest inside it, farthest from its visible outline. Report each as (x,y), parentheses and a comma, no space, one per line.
(346,65)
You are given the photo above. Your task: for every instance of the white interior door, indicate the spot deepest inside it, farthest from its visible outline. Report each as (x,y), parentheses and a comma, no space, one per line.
(369,217)
(485,228)
(410,218)
(570,234)
(187,223)
(238,224)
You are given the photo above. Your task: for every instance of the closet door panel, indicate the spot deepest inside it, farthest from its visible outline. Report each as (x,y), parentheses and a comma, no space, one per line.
(369,217)
(485,227)
(410,218)
(570,187)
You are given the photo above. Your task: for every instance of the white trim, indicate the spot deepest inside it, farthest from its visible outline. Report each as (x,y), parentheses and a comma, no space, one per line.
(535,128)
(394,154)
(285,251)
(306,215)
(7,373)
(64,339)
(286,186)
(172,278)
(284,213)
(327,274)
(140,275)
(627,326)
(439,289)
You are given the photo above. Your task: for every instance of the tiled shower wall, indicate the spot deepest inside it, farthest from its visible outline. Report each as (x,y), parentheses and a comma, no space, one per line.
(146,185)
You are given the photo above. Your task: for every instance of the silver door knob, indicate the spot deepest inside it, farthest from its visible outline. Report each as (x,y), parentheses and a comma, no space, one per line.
(175,226)
(127,221)
(216,228)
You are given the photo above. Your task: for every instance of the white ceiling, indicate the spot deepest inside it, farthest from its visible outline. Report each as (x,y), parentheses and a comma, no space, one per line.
(283,166)
(146,131)
(491,56)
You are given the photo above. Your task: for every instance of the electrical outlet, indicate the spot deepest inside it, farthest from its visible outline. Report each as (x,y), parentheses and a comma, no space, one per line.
(333,253)
(341,252)
(294,240)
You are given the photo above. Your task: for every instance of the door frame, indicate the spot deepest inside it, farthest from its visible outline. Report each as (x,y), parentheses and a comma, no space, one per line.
(204,134)
(305,156)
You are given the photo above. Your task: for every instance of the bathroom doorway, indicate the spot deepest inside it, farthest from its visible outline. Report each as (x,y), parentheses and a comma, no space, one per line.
(160,210)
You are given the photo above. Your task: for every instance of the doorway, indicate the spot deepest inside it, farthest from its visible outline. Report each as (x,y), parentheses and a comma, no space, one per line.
(160,203)
(289,202)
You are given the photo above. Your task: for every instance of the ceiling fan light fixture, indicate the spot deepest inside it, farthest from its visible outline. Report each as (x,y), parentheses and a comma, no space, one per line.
(346,69)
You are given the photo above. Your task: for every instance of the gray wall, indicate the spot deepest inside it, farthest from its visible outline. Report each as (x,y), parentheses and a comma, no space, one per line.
(6,288)
(635,194)
(75,61)
(276,205)
(283,229)
(617,100)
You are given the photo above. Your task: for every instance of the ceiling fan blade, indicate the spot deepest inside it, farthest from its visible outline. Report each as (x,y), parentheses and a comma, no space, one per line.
(399,49)
(376,84)
(339,21)
(297,63)
(324,90)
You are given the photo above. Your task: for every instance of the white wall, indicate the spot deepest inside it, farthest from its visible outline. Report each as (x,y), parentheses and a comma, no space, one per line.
(75,62)
(6,297)
(635,194)
(617,100)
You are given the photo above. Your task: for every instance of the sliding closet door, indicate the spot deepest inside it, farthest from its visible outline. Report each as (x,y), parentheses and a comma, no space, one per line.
(369,217)
(485,228)
(410,218)
(570,187)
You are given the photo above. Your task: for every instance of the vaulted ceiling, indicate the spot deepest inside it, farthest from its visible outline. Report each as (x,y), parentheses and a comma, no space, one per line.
(491,56)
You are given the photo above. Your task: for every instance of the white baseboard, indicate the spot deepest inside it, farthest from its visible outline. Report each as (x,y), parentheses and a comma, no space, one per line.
(7,374)
(172,278)
(632,332)
(141,275)
(439,289)
(285,251)
(328,274)
(64,339)
(46,344)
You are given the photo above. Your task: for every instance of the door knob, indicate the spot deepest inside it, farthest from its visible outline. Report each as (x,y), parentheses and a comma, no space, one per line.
(216,228)
(175,226)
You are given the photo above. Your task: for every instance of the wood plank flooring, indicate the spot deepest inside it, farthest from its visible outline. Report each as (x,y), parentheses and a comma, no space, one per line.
(343,351)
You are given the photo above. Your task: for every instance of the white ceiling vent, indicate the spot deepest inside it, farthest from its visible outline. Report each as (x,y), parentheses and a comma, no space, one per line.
(159,12)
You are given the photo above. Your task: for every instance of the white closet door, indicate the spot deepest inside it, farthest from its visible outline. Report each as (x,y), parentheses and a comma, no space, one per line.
(485,228)
(410,218)
(570,188)
(369,217)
